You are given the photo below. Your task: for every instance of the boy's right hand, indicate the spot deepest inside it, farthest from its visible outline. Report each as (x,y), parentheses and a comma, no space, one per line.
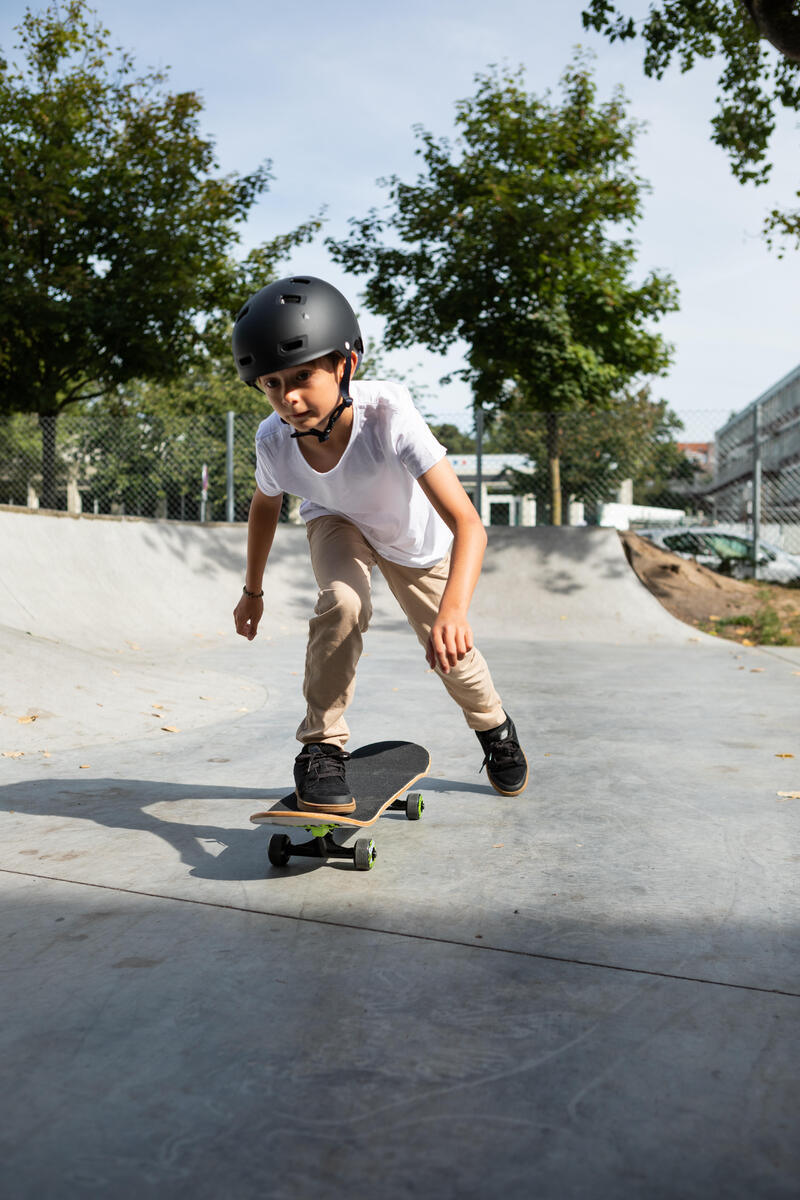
(247,615)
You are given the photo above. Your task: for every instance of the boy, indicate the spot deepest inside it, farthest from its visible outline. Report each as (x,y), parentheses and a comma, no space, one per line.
(378,492)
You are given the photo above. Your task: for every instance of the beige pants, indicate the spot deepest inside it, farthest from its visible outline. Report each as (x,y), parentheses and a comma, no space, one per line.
(342,560)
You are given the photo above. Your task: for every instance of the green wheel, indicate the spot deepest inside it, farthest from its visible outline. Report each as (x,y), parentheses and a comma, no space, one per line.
(414,806)
(365,854)
(280,849)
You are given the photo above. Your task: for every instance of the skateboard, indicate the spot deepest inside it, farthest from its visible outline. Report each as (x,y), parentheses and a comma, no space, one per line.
(377,774)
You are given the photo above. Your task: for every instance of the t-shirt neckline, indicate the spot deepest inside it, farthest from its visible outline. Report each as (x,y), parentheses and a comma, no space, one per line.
(353,430)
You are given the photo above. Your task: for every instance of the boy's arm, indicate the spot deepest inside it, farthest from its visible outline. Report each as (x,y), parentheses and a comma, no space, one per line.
(451,635)
(262,522)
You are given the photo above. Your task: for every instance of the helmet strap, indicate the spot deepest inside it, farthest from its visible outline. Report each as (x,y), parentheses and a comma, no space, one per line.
(324,434)
(344,402)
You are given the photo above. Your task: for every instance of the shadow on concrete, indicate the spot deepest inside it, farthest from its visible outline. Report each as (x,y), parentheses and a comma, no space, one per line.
(551,551)
(211,851)
(185,1048)
(122,804)
(458,786)
(219,551)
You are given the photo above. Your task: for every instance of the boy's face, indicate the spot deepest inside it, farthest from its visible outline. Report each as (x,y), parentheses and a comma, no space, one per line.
(306,395)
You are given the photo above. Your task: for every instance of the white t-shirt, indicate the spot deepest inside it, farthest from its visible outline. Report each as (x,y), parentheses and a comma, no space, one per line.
(373,484)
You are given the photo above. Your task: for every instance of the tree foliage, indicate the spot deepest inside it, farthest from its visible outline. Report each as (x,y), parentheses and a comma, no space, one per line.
(758,43)
(116,228)
(452,438)
(515,241)
(633,438)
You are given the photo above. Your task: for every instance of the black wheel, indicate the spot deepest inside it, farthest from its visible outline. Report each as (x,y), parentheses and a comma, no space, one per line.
(280,849)
(414,806)
(364,854)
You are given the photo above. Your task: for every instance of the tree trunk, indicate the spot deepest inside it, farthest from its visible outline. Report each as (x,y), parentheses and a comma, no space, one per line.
(555,491)
(779,22)
(554,460)
(47,424)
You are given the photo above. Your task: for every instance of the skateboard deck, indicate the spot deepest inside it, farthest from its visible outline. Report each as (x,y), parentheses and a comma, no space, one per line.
(377,774)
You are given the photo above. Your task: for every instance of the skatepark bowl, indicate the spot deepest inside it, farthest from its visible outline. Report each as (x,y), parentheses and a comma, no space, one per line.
(592,989)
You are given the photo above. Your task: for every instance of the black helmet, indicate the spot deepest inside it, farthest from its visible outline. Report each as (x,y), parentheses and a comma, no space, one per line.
(290,322)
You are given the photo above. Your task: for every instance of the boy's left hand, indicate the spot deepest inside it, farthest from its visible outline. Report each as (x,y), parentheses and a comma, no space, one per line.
(449,641)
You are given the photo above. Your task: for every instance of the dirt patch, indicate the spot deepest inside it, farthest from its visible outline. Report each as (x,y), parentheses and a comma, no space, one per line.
(745,611)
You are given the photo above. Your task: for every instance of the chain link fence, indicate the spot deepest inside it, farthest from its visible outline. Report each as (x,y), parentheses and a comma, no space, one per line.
(629,470)
(176,468)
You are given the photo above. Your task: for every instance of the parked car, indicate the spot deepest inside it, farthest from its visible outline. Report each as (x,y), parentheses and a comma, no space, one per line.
(728,553)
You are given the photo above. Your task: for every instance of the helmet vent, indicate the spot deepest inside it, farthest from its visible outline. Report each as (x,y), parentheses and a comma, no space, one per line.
(297,279)
(243,312)
(245,360)
(289,298)
(294,344)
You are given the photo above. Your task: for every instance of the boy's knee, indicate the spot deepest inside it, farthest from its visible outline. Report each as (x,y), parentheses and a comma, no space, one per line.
(346,605)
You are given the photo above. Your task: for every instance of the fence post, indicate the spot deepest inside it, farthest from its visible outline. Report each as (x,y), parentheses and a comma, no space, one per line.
(230,508)
(756,485)
(479,460)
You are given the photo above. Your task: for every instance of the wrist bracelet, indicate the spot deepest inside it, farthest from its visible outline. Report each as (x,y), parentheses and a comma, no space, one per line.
(253,595)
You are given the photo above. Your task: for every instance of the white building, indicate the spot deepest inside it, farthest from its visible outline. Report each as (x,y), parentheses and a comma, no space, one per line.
(499,505)
(731,493)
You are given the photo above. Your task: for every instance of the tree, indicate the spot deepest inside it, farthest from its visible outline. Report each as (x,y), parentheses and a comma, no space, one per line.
(779,22)
(455,441)
(513,243)
(759,44)
(116,231)
(632,438)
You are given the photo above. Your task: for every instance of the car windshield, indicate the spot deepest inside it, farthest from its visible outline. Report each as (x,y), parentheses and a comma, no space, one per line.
(684,543)
(729,546)
(726,545)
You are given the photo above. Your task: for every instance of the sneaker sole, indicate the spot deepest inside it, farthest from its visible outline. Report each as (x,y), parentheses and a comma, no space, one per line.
(502,792)
(333,809)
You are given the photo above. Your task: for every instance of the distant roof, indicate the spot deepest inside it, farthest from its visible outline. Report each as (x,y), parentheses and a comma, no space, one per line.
(787,381)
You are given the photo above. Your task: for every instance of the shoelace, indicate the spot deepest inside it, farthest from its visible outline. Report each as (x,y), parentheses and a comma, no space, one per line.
(508,748)
(323,765)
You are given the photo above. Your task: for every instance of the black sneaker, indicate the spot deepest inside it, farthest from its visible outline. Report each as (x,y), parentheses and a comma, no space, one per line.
(320,785)
(506,765)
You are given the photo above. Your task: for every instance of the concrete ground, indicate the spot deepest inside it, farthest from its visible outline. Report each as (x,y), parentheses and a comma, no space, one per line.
(592,990)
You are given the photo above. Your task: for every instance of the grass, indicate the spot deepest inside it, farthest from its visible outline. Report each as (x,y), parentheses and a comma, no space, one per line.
(763,627)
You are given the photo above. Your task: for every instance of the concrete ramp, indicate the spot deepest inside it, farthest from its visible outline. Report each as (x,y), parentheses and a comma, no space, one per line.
(570,585)
(101,584)
(110,629)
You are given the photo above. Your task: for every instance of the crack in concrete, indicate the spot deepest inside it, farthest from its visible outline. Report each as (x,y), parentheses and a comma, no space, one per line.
(421,937)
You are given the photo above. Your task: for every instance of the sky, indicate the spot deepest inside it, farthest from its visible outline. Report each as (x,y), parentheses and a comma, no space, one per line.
(330,92)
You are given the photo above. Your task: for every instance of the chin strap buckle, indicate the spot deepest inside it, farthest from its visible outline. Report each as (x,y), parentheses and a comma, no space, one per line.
(344,402)
(326,432)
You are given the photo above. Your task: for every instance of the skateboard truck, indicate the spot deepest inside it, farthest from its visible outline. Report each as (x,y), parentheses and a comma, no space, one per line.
(323,844)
